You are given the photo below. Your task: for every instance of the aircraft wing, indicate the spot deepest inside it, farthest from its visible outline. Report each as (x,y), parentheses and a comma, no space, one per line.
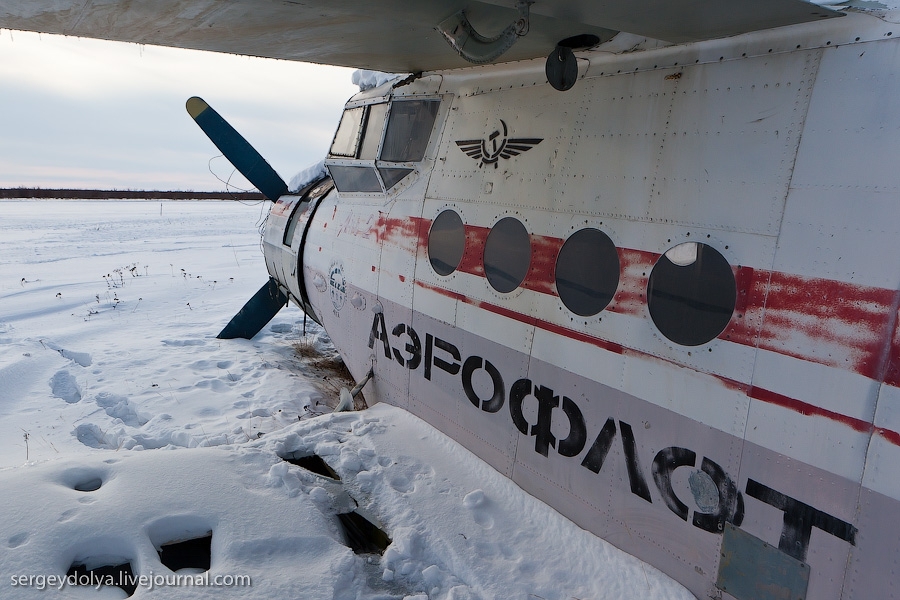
(389,35)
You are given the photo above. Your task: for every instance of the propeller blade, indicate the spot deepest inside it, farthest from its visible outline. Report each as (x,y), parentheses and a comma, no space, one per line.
(242,155)
(258,311)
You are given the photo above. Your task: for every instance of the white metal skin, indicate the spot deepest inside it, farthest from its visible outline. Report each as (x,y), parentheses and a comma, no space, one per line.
(777,150)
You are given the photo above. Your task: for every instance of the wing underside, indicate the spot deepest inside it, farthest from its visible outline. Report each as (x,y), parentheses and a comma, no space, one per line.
(389,35)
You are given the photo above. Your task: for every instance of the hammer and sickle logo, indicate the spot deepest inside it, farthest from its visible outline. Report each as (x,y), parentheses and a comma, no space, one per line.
(497,145)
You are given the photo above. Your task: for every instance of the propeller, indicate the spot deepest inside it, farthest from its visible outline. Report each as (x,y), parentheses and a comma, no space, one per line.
(258,311)
(236,149)
(266,302)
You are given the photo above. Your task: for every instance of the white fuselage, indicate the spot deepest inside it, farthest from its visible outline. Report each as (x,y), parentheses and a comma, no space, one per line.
(696,409)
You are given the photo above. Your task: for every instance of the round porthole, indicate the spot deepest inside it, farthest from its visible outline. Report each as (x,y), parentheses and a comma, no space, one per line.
(691,294)
(587,272)
(507,255)
(446,242)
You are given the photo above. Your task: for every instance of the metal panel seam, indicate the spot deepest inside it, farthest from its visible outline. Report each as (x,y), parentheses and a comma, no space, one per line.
(883,368)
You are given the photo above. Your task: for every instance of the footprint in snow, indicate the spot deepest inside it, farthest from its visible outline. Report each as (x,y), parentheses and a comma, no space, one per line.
(82,358)
(216,385)
(479,505)
(183,343)
(92,436)
(118,407)
(259,412)
(402,484)
(64,386)
(67,515)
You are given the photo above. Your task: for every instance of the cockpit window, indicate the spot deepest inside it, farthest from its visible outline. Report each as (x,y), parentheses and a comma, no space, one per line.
(288,238)
(374,127)
(354,179)
(346,140)
(359,138)
(392,177)
(408,130)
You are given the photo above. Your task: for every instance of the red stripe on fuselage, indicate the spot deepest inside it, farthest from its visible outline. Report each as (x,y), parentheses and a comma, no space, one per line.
(892,371)
(823,321)
(404,233)
(541,275)
(527,320)
(761,394)
(472,262)
(810,318)
(806,409)
(634,272)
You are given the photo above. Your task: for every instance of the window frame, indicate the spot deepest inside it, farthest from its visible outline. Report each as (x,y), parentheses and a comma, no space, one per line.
(387,123)
(568,295)
(359,134)
(670,306)
(500,250)
(382,168)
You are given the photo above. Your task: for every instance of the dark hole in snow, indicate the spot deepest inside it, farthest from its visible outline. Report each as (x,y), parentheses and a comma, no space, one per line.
(187,554)
(120,576)
(363,536)
(90,485)
(315,464)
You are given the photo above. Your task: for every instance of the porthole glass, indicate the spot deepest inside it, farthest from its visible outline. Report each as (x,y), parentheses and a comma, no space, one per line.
(691,294)
(507,255)
(587,272)
(446,242)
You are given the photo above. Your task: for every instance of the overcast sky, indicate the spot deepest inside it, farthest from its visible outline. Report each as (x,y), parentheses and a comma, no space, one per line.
(89,114)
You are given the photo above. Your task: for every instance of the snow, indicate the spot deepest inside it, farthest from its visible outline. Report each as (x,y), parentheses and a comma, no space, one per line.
(307,176)
(126,425)
(876,6)
(367,80)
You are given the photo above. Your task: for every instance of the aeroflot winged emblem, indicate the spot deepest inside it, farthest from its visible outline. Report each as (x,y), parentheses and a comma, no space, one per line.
(497,146)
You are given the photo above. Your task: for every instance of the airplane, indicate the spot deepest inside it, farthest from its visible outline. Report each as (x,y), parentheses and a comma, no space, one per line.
(634,255)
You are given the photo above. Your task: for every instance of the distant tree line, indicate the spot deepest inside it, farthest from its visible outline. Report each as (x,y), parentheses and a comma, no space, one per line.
(64,194)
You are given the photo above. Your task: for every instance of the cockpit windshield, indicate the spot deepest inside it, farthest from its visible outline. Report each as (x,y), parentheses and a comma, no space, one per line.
(408,130)
(346,140)
(371,155)
(374,128)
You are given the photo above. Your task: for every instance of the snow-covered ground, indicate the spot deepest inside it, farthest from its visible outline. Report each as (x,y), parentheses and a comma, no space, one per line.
(126,425)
